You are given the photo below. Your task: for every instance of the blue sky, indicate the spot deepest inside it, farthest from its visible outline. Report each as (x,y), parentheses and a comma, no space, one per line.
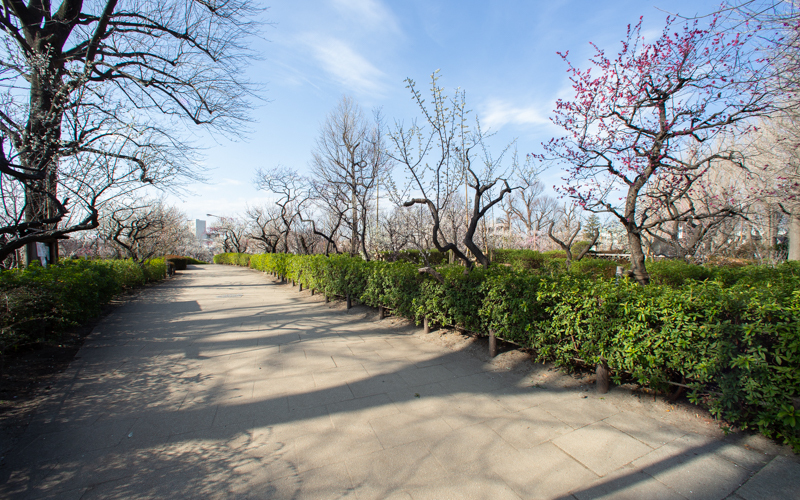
(502,53)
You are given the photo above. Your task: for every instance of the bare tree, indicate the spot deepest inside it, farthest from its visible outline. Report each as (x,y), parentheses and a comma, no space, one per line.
(348,160)
(144,229)
(293,192)
(438,156)
(233,232)
(567,224)
(264,227)
(528,205)
(74,75)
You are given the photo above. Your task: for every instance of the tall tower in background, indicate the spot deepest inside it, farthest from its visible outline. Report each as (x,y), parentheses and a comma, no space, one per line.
(200,230)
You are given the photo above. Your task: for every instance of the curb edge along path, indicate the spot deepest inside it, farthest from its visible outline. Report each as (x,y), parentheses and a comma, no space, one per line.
(224,384)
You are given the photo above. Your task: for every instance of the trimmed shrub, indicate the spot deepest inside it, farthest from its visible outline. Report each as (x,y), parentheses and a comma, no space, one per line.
(232,259)
(435,257)
(179,262)
(596,268)
(39,302)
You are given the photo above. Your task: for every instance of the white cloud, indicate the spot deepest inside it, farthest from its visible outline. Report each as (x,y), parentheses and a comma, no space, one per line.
(369,14)
(346,66)
(497,113)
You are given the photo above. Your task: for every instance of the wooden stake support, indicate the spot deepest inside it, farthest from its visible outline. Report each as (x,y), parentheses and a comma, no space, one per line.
(602,379)
(381,312)
(492,344)
(425,325)
(349,302)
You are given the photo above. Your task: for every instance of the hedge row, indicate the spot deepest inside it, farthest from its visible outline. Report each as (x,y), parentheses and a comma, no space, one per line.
(39,302)
(731,335)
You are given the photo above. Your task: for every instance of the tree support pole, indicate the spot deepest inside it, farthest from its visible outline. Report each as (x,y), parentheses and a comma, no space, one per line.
(492,344)
(602,379)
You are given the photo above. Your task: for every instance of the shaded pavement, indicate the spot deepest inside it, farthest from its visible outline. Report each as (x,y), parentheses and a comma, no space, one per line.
(221,383)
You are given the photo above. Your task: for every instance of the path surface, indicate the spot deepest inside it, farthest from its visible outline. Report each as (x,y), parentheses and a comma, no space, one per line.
(223,384)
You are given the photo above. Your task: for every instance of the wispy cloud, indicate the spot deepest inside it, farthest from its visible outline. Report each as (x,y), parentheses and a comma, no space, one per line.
(371,14)
(346,66)
(498,113)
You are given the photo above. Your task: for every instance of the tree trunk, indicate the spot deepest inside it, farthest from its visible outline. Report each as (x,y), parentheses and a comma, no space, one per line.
(637,258)
(794,235)
(43,137)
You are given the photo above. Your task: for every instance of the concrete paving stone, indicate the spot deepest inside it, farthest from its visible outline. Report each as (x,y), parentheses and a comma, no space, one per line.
(25,479)
(377,366)
(378,384)
(528,428)
(255,469)
(749,459)
(334,446)
(334,350)
(409,399)
(232,411)
(186,419)
(288,348)
(383,473)
(395,354)
(520,398)
(83,470)
(541,472)
(313,362)
(322,483)
(145,434)
(368,346)
(467,445)
(457,487)
(339,376)
(188,477)
(234,392)
(415,376)
(368,358)
(277,386)
(601,447)
(694,472)
(627,484)
(432,359)
(297,422)
(779,479)
(402,428)
(576,411)
(457,411)
(645,429)
(475,384)
(360,411)
(320,397)
(75,440)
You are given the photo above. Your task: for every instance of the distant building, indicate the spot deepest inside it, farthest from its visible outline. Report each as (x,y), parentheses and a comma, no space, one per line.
(200,230)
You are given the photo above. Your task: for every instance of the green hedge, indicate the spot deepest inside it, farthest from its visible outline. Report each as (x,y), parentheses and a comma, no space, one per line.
(731,334)
(41,302)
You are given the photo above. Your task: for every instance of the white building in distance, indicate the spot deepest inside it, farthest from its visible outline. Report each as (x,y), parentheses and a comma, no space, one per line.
(200,230)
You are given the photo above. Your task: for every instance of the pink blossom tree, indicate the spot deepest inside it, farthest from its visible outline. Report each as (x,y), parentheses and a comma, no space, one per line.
(647,125)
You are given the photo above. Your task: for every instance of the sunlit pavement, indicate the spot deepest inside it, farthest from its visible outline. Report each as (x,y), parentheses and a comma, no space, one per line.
(221,383)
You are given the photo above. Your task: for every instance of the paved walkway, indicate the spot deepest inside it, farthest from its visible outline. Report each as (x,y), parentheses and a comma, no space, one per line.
(223,384)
